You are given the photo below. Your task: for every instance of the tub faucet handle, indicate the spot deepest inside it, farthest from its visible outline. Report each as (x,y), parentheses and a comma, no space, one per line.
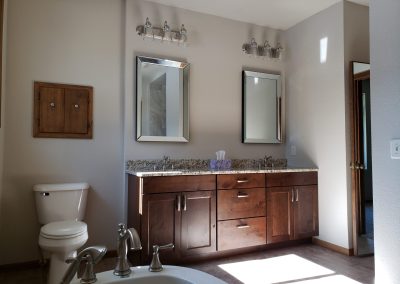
(155,265)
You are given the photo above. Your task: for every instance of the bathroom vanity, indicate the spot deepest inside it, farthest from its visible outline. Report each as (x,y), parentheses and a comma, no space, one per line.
(215,213)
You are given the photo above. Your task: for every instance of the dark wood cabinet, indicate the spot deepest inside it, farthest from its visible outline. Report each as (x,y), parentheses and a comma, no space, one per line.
(292,209)
(218,215)
(241,211)
(185,218)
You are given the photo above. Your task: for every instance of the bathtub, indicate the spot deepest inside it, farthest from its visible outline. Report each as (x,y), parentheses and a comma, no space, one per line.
(170,275)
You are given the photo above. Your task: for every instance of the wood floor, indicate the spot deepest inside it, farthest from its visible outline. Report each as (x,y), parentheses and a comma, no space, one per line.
(306,263)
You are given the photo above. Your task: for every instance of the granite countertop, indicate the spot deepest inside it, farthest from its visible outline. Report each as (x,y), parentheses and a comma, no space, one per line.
(181,167)
(215,172)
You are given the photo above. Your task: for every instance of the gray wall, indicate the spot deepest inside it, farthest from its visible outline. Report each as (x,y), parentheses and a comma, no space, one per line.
(214,52)
(385,106)
(75,42)
(94,42)
(316,114)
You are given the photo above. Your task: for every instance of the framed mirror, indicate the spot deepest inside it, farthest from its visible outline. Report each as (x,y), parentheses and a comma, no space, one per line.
(261,107)
(162,100)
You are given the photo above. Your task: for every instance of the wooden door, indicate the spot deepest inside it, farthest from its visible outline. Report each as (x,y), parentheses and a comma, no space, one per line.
(279,212)
(305,212)
(161,225)
(198,230)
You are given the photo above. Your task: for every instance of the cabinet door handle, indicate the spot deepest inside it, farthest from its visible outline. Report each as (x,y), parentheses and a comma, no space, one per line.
(243,226)
(242,180)
(297,194)
(292,196)
(242,195)
(178,202)
(184,202)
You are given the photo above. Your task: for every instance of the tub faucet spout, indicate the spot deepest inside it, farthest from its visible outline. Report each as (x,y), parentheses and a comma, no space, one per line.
(122,267)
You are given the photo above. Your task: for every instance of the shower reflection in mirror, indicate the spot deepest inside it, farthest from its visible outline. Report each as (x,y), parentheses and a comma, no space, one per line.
(162,100)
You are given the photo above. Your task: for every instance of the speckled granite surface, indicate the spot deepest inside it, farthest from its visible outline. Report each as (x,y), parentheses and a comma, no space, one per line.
(172,167)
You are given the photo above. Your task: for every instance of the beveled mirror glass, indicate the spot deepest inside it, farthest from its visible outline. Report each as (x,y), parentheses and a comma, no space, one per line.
(262,108)
(162,94)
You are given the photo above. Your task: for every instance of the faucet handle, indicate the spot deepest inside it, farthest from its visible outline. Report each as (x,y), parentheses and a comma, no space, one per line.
(155,265)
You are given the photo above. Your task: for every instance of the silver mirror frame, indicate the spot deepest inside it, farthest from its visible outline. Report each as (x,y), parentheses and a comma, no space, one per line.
(278,108)
(184,111)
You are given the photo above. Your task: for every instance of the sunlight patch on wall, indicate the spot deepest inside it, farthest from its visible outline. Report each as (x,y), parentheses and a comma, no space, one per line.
(323,49)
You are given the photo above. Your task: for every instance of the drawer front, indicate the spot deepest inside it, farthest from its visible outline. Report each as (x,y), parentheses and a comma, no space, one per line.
(241,233)
(292,178)
(178,183)
(241,203)
(240,181)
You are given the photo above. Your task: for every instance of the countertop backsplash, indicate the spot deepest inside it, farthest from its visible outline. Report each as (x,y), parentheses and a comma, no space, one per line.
(202,164)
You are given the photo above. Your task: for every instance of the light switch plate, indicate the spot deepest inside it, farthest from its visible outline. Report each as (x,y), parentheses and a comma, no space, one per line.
(395,149)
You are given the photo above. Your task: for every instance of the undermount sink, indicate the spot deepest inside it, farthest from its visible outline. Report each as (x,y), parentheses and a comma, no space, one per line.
(169,275)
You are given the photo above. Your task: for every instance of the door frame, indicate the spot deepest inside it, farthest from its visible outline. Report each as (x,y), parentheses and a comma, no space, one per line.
(355,153)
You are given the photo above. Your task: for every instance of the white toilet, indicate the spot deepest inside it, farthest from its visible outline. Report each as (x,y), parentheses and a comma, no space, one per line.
(60,208)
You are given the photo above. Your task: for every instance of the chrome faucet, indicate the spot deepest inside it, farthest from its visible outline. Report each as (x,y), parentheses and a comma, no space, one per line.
(165,162)
(266,160)
(155,265)
(122,267)
(91,255)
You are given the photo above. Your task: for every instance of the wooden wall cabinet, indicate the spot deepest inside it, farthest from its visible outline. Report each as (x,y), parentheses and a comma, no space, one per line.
(241,211)
(292,206)
(62,111)
(179,210)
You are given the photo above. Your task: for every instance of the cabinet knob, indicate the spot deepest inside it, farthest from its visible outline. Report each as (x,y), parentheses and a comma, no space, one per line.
(76,106)
(52,105)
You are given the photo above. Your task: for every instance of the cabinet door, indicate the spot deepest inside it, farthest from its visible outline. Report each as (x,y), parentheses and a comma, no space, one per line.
(76,111)
(51,110)
(198,232)
(160,225)
(305,212)
(279,214)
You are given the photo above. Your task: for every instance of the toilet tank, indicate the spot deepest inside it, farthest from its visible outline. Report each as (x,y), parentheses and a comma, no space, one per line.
(60,202)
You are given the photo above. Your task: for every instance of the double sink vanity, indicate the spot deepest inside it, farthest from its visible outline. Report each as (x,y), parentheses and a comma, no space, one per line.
(216,213)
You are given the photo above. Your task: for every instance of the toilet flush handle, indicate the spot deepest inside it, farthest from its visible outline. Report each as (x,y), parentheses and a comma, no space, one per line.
(45,193)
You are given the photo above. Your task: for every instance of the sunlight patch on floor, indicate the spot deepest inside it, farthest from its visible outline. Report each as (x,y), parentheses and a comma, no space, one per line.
(283,269)
(333,279)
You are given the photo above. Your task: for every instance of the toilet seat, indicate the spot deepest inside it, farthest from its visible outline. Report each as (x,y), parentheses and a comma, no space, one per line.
(63,230)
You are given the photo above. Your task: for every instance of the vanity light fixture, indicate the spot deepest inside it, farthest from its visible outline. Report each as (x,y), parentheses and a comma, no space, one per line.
(266,50)
(163,34)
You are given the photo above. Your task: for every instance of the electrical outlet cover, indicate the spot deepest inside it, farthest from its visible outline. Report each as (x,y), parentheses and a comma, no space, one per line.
(395,149)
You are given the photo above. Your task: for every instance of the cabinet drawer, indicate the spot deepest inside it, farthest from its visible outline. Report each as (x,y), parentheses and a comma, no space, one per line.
(241,203)
(178,183)
(241,233)
(293,178)
(240,181)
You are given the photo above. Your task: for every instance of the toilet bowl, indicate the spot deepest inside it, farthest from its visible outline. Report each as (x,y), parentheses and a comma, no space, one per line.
(60,209)
(61,240)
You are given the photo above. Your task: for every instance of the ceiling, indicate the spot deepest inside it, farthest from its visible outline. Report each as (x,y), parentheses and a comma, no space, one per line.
(277,14)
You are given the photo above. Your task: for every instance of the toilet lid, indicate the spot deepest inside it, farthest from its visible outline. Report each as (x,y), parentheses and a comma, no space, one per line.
(63,229)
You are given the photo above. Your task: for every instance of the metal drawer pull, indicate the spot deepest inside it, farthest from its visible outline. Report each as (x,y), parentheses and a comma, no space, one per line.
(292,195)
(240,180)
(242,195)
(243,226)
(297,194)
(178,202)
